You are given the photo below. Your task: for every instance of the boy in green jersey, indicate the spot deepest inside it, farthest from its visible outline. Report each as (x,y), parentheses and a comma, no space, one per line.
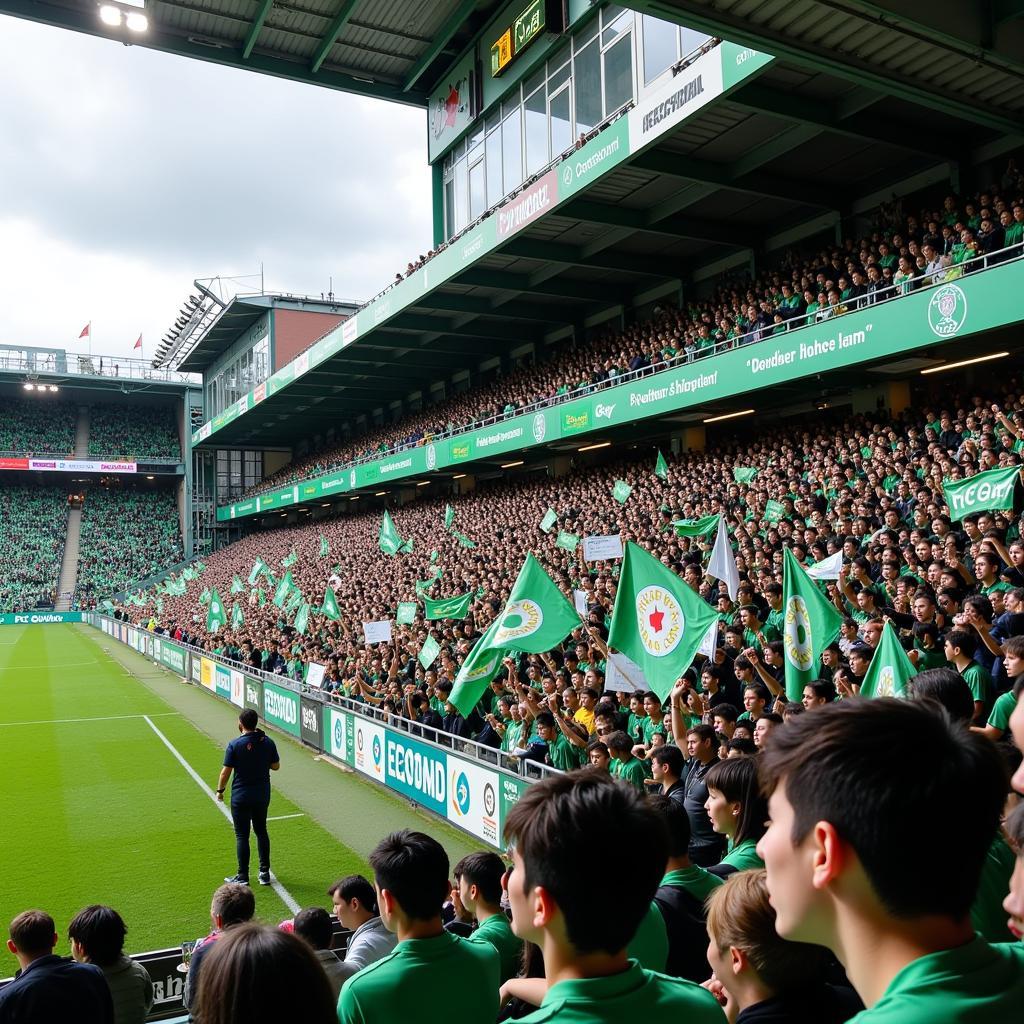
(552,832)
(479,878)
(865,868)
(432,974)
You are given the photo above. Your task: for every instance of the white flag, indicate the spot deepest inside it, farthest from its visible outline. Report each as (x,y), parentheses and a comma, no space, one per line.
(828,568)
(579,599)
(723,563)
(710,642)
(377,632)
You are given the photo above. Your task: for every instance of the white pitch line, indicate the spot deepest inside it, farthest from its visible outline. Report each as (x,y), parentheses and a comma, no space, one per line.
(105,718)
(51,664)
(285,817)
(286,896)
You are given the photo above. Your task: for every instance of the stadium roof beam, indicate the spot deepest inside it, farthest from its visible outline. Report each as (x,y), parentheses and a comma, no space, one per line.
(499,331)
(257,25)
(454,302)
(341,19)
(642,220)
(484,277)
(829,60)
(442,38)
(535,249)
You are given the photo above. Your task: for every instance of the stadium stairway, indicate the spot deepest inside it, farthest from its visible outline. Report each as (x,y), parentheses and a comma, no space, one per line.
(69,564)
(82,436)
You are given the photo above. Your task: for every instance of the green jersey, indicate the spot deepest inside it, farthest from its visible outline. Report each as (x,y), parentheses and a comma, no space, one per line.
(564,755)
(743,857)
(999,718)
(980,683)
(697,881)
(987,914)
(498,933)
(651,729)
(649,946)
(632,995)
(632,771)
(976,983)
(418,976)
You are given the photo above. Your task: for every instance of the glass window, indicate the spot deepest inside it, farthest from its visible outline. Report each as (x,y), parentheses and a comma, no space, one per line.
(461,194)
(692,40)
(561,121)
(559,77)
(586,75)
(535,82)
(477,190)
(493,157)
(616,21)
(449,208)
(618,73)
(512,152)
(536,108)
(661,41)
(581,38)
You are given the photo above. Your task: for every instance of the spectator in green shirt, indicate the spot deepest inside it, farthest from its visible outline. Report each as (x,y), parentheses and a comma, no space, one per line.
(959,649)
(624,764)
(876,879)
(553,831)
(479,878)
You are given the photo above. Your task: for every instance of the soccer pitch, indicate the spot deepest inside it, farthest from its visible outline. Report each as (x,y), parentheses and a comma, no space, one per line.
(97,807)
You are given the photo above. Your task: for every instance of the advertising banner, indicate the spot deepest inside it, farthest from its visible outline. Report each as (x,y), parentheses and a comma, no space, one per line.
(208,674)
(281,708)
(223,682)
(171,656)
(368,755)
(237,688)
(417,770)
(310,721)
(38,618)
(512,789)
(81,466)
(337,725)
(473,802)
(252,695)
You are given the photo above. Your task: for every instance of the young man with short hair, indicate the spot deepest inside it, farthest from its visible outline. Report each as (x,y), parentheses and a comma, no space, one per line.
(875,879)
(430,967)
(624,764)
(232,904)
(355,906)
(313,926)
(959,649)
(479,878)
(667,769)
(552,832)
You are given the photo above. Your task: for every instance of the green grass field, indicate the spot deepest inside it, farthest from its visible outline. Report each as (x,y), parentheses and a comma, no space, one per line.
(97,809)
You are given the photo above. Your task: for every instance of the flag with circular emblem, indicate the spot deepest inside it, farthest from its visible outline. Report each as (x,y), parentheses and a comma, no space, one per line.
(890,669)
(810,624)
(658,621)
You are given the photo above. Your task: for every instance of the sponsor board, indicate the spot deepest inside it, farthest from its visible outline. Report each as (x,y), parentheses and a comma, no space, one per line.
(38,618)
(418,770)
(252,694)
(208,674)
(310,720)
(474,801)
(337,727)
(81,466)
(237,689)
(222,682)
(281,708)
(368,751)
(530,204)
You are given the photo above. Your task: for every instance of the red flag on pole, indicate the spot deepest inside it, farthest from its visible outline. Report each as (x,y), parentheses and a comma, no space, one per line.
(138,344)
(85,330)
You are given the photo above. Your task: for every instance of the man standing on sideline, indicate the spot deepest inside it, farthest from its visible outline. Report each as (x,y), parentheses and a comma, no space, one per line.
(252,756)
(48,987)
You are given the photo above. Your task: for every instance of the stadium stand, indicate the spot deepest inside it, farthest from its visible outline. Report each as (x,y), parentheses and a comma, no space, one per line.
(133,432)
(126,536)
(32,527)
(37,426)
(902,252)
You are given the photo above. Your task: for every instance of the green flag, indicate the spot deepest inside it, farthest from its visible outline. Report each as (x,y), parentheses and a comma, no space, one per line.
(429,651)
(890,669)
(463,539)
(159,606)
(389,540)
(200,566)
(330,605)
(215,614)
(295,599)
(405,614)
(237,586)
(661,467)
(983,492)
(302,619)
(743,474)
(423,586)
(811,623)
(657,621)
(549,520)
(286,585)
(290,559)
(237,618)
(204,596)
(325,548)
(449,517)
(433,557)
(448,607)
(774,510)
(259,567)
(567,541)
(479,668)
(261,597)
(621,491)
(696,527)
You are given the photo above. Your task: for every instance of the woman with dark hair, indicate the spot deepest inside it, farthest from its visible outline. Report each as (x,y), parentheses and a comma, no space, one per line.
(738,811)
(946,687)
(260,975)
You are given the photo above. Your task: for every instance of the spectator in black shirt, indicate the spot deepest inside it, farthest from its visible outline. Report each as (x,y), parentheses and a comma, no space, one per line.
(667,767)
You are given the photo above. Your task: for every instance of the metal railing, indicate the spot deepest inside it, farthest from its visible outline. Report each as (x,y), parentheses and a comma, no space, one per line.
(92,457)
(687,356)
(64,364)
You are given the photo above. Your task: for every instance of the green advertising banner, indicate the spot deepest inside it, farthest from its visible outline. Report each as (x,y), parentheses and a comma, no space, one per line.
(281,708)
(38,618)
(419,770)
(951,310)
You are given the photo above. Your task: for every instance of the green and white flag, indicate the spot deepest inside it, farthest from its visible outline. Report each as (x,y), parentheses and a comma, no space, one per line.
(237,586)
(549,520)
(330,605)
(159,606)
(290,559)
(810,624)
(449,517)
(661,467)
(621,491)
(463,539)
(567,541)
(890,669)
(983,492)
(295,599)
(433,556)
(284,588)
(405,614)
(423,586)
(237,618)
(429,652)
(448,607)
(658,621)
(216,617)
(389,540)
(204,596)
(325,548)
(259,567)
(536,618)
(302,619)
(828,568)
(696,527)
(744,474)
(774,511)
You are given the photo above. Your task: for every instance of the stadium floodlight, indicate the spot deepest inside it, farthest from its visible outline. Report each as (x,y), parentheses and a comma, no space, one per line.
(594,447)
(110,15)
(380,494)
(965,362)
(458,476)
(511,465)
(136,22)
(53,387)
(728,416)
(423,483)
(354,498)
(149,478)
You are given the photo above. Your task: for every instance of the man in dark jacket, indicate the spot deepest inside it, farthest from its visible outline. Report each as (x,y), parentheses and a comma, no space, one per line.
(49,988)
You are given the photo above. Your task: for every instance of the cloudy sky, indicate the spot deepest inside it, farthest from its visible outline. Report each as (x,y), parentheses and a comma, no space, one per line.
(126,173)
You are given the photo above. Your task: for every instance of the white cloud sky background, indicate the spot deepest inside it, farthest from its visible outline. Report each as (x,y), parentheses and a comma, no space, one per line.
(126,173)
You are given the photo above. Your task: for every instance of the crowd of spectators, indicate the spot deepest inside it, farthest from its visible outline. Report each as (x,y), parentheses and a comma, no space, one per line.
(126,536)
(903,252)
(38,426)
(134,432)
(33,525)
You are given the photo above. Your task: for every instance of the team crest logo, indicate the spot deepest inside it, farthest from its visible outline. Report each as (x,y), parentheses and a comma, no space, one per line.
(886,682)
(659,620)
(431,457)
(522,618)
(376,751)
(490,800)
(460,794)
(567,173)
(947,310)
(797,635)
(339,737)
(540,427)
